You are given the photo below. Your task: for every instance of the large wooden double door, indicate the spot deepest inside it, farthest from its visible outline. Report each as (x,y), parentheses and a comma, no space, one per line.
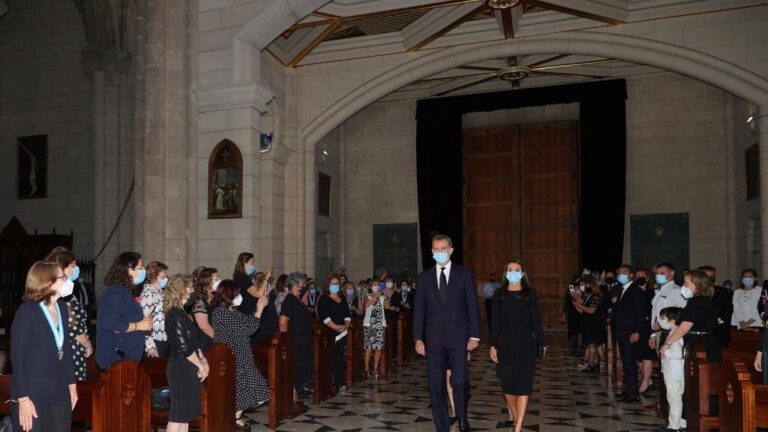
(521,190)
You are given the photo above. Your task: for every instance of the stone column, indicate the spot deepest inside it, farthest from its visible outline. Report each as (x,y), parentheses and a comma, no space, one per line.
(763,133)
(163,127)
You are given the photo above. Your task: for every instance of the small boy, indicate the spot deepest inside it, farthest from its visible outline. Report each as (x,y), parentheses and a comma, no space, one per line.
(673,369)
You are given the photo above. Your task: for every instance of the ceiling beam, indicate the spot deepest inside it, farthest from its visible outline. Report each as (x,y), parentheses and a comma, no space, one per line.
(547,60)
(317,41)
(506,23)
(585,9)
(450,22)
(464,85)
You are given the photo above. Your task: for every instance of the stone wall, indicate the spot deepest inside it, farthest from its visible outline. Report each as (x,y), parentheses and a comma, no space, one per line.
(676,149)
(43,90)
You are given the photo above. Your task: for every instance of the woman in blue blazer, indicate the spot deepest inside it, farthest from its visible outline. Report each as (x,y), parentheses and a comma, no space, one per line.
(121,323)
(43,385)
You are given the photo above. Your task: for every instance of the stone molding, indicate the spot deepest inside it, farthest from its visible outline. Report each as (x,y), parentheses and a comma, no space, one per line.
(675,58)
(248,96)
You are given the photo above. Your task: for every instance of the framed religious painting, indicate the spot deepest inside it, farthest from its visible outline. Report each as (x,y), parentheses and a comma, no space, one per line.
(32,167)
(225,181)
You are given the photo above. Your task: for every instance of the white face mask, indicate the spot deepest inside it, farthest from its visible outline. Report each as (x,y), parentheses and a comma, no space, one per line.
(215,284)
(664,324)
(686,292)
(237,300)
(67,287)
(390,285)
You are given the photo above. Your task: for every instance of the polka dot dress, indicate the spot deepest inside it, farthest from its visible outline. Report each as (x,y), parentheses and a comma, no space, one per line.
(233,328)
(78,324)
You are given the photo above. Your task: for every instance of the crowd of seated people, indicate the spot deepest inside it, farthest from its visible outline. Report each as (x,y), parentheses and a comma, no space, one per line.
(151,310)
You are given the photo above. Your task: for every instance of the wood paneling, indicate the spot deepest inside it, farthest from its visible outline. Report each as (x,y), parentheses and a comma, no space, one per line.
(521,191)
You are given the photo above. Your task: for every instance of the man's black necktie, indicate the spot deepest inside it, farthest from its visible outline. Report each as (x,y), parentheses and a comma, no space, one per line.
(443,284)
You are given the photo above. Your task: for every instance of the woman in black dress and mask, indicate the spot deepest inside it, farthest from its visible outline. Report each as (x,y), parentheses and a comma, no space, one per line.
(515,337)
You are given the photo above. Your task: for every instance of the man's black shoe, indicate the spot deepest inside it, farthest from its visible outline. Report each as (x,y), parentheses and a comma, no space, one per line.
(627,399)
(464,425)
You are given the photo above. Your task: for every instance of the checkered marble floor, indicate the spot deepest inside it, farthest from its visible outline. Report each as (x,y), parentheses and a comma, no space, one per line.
(564,399)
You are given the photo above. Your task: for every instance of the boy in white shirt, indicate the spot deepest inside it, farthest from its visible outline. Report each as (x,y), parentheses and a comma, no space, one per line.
(673,369)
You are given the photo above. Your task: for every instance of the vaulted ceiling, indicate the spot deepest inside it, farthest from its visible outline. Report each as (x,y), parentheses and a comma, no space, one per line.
(350,29)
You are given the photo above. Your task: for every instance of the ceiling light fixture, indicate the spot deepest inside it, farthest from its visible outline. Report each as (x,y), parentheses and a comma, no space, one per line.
(514,73)
(502,4)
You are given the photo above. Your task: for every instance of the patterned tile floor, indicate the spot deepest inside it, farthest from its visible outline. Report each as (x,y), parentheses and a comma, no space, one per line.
(564,399)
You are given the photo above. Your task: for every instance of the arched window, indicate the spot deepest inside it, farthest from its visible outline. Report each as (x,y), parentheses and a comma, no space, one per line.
(225,181)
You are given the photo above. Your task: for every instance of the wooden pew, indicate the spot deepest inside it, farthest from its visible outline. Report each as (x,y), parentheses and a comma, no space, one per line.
(355,353)
(405,346)
(274,359)
(217,394)
(126,398)
(322,339)
(700,412)
(743,397)
(386,353)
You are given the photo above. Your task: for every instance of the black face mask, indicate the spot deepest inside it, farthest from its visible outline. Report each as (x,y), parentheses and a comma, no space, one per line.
(610,281)
(712,279)
(641,281)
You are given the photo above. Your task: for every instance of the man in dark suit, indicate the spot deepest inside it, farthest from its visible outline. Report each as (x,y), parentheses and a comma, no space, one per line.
(628,319)
(446,325)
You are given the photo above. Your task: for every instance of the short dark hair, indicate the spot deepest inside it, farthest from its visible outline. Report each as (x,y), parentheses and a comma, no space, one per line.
(442,237)
(623,266)
(672,314)
(669,266)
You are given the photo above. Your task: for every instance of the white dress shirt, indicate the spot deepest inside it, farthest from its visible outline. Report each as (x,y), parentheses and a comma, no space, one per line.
(438,270)
(668,296)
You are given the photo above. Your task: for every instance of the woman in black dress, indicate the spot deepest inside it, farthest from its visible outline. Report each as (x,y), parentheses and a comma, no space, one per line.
(699,318)
(77,316)
(297,321)
(645,355)
(515,338)
(234,329)
(334,313)
(186,364)
(245,271)
(201,306)
(592,321)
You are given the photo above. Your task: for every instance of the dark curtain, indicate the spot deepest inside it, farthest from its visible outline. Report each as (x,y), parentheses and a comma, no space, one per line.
(602,163)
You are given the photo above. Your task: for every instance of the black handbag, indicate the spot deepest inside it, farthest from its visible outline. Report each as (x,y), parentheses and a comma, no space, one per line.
(161,399)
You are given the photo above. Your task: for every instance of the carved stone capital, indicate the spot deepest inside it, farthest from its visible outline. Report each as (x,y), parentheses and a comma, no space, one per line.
(250,96)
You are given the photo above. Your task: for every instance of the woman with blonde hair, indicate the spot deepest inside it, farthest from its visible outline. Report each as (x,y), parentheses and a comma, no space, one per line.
(187,365)
(43,389)
(698,320)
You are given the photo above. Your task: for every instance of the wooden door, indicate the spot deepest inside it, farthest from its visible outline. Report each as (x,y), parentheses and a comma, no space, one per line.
(491,200)
(550,212)
(521,202)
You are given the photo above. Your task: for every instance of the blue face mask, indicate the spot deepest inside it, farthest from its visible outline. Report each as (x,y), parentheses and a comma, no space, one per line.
(334,288)
(623,279)
(514,276)
(251,270)
(661,279)
(163,283)
(140,277)
(350,292)
(440,257)
(75,274)
(748,281)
